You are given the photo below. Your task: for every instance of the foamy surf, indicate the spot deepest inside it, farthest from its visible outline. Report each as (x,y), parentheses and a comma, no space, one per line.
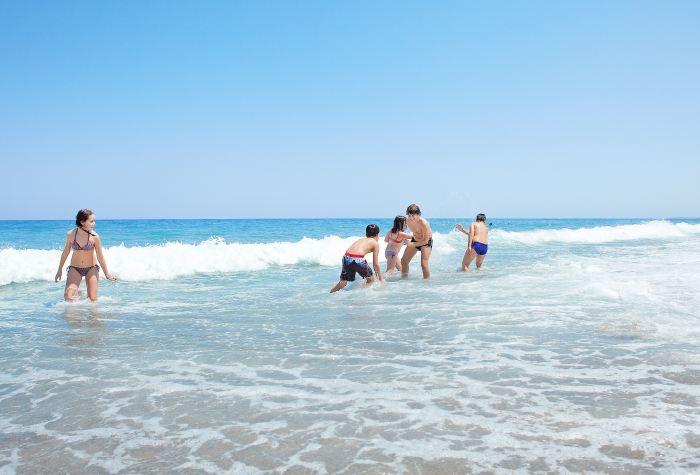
(177,259)
(583,358)
(599,234)
(174,259)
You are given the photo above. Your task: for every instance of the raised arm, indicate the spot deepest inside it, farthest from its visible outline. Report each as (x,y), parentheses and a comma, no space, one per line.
(64,256)
(101,259)
(460,228)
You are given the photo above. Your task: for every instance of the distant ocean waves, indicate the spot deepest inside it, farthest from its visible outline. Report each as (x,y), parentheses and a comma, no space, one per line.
(174,259)
(600,234)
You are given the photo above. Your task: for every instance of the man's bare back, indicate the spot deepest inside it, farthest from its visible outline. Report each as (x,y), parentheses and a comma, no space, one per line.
(363,247)
(480,232)
(478,242)
(354,261)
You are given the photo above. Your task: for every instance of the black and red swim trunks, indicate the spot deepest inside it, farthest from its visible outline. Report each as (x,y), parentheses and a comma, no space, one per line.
(354,264)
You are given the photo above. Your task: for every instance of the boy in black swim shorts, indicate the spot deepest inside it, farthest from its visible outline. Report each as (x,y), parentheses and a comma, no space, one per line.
(422,236)
(354,261)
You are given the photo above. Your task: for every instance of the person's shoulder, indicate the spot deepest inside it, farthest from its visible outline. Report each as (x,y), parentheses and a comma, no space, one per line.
(70,232)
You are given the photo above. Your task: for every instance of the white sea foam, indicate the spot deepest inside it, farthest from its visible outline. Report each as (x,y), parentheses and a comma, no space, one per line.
(600,234)
(174,259)
(565,361)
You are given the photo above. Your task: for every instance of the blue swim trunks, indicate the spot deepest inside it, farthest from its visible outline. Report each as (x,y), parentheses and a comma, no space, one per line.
(480,248)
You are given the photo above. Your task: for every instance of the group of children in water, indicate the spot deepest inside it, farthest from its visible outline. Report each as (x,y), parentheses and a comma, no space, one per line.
(87,251)
(354,261)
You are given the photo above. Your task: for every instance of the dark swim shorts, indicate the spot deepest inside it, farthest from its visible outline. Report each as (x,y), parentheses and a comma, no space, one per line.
(480,248)
(430,243)
(353,265)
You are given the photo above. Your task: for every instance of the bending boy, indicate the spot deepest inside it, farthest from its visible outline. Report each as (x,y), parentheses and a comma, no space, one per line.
(478,242)
(422,241)
(354,261)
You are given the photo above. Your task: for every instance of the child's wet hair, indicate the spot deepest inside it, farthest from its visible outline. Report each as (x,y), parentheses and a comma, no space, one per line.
(372,230)
(82,216)
(399,223)
(413,209)
(481,217)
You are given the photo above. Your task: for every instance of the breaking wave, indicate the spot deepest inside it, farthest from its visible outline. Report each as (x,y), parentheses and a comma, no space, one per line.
(601,234)
(174,259)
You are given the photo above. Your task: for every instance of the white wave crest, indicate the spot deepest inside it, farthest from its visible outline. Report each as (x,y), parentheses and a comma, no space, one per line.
(171,260)
(601,234)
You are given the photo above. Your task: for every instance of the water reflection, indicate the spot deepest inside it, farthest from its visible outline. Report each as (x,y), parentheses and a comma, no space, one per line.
(87,327)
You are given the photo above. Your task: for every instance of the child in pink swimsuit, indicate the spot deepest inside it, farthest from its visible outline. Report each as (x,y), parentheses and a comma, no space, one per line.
(395,239)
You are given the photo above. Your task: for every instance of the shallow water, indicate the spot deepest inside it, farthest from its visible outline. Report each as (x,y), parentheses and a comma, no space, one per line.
(575,351)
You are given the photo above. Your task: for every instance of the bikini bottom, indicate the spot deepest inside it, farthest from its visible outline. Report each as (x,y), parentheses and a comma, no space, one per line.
(82,270)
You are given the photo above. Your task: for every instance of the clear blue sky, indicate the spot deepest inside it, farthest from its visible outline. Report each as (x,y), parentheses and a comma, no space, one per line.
(261,109)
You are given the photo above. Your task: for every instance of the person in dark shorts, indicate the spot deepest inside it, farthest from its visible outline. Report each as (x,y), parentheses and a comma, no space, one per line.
(354,261)
(422,236)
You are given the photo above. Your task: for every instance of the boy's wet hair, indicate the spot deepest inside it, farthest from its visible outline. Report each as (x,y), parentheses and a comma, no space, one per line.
(372,230)
(413,209)
(481,217)
(82,216)
(399,223)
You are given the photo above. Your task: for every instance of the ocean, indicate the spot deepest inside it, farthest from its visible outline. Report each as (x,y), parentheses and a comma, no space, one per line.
(575,350)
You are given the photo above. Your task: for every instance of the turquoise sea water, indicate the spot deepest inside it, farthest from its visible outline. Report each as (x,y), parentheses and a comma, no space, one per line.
(577,350)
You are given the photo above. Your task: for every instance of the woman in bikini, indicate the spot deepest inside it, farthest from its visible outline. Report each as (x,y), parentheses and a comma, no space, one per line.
(395,239)
(85,245)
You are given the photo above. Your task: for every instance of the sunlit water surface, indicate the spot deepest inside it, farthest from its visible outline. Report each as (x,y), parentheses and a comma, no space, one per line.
(577,350)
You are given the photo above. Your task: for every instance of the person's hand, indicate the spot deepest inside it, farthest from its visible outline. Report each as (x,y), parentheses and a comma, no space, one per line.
(58,275)
(459,227)
(112,278)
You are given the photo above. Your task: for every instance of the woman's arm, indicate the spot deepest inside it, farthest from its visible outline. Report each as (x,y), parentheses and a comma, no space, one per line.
(403,235)
(101,259)
(64,256)
(386,238)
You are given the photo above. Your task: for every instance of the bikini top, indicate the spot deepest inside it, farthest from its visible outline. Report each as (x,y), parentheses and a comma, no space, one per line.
(76,246)
(392,239)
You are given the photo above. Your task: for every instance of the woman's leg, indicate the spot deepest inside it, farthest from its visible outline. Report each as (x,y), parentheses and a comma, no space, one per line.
(73,280)
(92,279)
(390,264)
